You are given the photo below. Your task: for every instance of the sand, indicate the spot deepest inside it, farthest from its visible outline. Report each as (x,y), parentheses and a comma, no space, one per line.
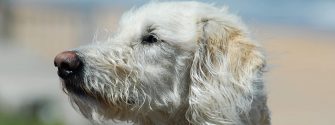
(300,79)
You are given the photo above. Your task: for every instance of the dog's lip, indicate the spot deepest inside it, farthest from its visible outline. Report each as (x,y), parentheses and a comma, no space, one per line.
(64,74)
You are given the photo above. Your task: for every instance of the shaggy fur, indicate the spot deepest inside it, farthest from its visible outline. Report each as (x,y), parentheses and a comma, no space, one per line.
(173,63)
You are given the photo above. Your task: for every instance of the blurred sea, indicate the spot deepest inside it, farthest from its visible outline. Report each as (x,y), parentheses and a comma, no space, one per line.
(317,14)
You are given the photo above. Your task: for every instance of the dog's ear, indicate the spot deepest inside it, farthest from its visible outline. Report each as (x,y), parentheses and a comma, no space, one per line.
(224,69)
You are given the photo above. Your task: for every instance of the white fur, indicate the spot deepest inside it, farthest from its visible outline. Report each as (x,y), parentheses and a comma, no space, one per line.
(203,70)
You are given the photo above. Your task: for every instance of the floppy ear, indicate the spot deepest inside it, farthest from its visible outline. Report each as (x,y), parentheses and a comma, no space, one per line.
(225,69)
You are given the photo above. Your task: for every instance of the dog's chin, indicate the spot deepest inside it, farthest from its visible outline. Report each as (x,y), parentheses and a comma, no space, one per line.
(119,109)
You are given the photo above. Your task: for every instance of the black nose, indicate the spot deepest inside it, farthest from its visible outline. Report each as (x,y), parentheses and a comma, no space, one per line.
(68,63)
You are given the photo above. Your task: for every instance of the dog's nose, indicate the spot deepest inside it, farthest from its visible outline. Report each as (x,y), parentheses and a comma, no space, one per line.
(68,63)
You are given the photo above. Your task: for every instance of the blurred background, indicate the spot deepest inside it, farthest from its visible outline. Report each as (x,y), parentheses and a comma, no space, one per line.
(298,36)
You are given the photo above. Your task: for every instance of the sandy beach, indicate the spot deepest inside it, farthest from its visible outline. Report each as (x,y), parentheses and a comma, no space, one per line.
(300,77)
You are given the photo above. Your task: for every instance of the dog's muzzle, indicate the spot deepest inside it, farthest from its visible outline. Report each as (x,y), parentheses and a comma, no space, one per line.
(68,64)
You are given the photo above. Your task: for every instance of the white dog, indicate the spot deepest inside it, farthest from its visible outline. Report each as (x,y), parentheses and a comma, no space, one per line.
(170,63)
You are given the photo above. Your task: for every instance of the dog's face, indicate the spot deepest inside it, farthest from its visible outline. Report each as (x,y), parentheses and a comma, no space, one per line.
(150,63)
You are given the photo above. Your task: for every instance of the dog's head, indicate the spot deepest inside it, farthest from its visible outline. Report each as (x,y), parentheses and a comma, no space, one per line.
(166,58)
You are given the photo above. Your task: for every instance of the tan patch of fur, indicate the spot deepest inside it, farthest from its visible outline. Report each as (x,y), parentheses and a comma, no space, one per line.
(243,55)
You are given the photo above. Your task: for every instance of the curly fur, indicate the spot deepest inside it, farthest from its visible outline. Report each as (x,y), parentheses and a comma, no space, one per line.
(204,69)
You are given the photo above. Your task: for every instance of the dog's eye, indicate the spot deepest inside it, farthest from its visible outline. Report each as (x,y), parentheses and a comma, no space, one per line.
(149,39)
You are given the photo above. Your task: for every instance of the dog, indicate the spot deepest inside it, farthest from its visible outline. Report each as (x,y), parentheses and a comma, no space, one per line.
(170,63)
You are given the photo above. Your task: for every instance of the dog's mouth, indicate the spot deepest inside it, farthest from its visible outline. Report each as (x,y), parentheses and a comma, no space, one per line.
(73,87)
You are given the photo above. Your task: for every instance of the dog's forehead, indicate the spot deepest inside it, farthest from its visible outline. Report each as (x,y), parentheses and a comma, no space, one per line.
(155,12)
(174,22)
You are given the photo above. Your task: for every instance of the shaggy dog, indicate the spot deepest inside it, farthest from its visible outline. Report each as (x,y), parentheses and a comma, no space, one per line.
(170,63)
